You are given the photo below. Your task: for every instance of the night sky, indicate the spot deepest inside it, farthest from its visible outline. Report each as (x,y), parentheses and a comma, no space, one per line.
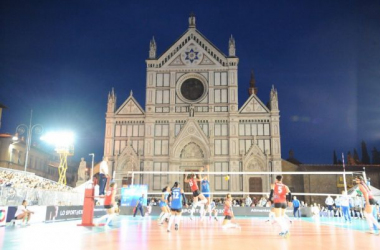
(61,58)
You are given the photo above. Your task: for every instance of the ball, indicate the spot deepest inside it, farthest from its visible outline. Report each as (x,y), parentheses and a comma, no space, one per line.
(226,177)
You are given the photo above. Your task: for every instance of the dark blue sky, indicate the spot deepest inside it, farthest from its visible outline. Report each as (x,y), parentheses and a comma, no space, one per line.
(60,58)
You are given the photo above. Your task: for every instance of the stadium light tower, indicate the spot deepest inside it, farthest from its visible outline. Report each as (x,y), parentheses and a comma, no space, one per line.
(64,146)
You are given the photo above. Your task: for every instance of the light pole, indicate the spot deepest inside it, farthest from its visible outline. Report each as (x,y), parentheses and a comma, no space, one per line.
(139,153)
(242,168)
(92,167)
(28,130)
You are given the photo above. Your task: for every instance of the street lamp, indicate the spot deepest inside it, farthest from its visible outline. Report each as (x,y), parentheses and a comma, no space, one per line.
(139,154)
(242,153)
(27,130)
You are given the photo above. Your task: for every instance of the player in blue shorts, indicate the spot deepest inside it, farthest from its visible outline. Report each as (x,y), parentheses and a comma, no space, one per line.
(206,193)
(165,214)
(338,208)
(178,198)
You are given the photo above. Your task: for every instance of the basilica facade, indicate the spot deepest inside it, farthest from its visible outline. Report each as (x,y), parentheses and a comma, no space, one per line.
(192,119)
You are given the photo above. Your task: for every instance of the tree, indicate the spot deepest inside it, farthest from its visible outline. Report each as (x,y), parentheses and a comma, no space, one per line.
(356,157)
(335,159)
(365,155)
(375,156)
(350,160)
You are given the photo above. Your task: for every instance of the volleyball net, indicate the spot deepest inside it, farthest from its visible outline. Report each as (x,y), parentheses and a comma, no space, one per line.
(310,186)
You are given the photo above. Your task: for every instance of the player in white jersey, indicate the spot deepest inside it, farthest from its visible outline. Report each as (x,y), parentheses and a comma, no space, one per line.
(213,210)
(359,204)
(330,202)
(338,207)
(345,204)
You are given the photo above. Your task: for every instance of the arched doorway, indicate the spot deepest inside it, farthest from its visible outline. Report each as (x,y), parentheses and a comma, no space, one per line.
(256,185)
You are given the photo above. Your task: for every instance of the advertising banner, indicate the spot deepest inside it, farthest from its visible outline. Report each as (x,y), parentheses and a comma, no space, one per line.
(131,194)
(39,213)
(54,213)
(3,216)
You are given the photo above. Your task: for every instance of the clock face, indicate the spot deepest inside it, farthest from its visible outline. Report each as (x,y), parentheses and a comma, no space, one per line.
(192,89)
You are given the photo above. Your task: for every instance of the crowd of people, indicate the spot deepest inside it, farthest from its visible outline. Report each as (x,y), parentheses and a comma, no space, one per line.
(344,206)
(20,180)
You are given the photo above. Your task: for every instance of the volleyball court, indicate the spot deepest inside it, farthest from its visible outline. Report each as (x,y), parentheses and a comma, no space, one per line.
(223,219)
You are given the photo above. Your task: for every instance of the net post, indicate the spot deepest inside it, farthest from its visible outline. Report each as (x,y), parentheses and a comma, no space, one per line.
(344,175)
(364,175)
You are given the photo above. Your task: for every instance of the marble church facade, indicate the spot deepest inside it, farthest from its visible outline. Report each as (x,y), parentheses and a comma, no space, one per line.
(192,118)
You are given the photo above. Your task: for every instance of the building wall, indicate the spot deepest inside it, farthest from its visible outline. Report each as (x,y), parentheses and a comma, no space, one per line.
(192,119)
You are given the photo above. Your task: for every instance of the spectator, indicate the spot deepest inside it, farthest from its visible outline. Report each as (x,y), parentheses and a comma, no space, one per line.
(296,207)
(262,202)
(315,211)
(248,201)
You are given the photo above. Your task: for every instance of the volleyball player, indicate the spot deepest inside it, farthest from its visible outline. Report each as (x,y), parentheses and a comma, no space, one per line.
(213,210)
(109,204)
(369,205)
(177,198)
(196,193)
(330,202)
(271,211)
(23,213)
(338,207)
(206,192)
(280,194)
(228,213)
(165,214)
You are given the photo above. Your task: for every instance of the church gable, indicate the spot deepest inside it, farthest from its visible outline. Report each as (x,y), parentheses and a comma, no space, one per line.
(130,107)
(253,105)
(192,49)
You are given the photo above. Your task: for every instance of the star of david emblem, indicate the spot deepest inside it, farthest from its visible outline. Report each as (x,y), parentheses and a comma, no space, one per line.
(191,55)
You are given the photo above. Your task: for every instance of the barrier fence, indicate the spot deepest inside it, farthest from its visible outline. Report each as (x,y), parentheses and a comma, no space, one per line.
(15,186)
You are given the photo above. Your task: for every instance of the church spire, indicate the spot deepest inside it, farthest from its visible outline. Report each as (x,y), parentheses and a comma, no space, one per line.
(192,20)
(273,99)
(231,47)
(152,49)
(252,84)
(111,105)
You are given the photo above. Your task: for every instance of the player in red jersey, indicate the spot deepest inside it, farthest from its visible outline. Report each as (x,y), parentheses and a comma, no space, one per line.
(281,194)
(192,180)
(369,205)
(228,213)
(109,204)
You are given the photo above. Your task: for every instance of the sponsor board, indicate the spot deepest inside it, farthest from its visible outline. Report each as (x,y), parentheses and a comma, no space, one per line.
(54,213)
(131,195)
(3,216)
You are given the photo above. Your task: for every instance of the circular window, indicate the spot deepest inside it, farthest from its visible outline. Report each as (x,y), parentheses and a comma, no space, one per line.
(192,89)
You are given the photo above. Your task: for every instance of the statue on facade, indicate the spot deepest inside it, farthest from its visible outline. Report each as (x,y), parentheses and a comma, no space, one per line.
(191,110)
(82,172)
